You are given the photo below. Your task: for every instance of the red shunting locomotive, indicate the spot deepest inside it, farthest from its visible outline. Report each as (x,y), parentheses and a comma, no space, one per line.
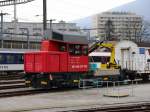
(60,62)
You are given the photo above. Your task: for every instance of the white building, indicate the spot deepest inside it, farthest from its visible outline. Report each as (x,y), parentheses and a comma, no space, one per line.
(120,25)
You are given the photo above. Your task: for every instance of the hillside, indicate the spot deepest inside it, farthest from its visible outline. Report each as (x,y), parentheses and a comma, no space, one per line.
(140,7)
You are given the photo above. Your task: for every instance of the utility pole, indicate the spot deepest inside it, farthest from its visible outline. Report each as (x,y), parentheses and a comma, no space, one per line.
(1,33)
(44,17)
(50,27)
(15,11)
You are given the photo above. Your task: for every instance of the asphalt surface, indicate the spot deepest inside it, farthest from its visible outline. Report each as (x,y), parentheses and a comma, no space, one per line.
(75,99)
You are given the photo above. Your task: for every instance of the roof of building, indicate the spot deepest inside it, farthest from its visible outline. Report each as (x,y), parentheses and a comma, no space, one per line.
(143,44)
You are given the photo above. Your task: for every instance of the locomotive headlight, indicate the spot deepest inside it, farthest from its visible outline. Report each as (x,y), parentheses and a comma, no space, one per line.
(44,82)
(105,78)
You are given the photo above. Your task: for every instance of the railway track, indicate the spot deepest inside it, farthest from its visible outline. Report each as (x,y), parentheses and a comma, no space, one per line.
(138,107)
(12,84)
(12,81)
(29,91)
(9,88)
(11,76)
(21,92)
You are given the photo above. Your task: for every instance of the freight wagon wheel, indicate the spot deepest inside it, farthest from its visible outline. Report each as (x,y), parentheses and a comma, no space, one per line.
(131,76)
(124,74)
(145,77)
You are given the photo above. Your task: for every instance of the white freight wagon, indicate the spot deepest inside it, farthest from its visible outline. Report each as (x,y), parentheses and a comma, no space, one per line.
(133,59)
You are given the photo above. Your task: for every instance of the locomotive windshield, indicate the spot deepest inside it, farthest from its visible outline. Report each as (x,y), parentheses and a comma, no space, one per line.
(76,49)
(100,59)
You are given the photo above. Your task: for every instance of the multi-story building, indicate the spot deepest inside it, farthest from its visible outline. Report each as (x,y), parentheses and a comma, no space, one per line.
(16,34)
(117,25)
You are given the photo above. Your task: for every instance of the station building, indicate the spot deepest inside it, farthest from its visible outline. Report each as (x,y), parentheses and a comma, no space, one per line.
(16,34)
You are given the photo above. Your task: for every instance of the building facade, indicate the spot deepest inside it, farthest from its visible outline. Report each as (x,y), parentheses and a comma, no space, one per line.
(117,25)
(16,34)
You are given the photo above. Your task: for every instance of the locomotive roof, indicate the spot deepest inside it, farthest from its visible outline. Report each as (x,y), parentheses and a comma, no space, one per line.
(68,37)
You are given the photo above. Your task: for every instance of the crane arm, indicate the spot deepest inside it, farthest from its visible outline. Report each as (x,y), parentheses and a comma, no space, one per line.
(112,63)
(94,46)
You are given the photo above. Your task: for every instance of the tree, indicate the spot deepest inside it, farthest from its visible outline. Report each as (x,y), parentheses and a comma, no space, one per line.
(145,31)
(109,29)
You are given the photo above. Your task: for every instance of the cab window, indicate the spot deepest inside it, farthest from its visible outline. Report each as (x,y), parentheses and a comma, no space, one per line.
(2,59)
(85,50)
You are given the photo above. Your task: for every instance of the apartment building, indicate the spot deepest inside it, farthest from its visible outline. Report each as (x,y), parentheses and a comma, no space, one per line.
(117,25)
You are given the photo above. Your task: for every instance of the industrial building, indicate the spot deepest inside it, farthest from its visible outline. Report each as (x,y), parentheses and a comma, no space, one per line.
(16,34)
(117,25)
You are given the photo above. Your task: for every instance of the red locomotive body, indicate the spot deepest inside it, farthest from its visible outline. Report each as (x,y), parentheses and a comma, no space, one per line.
(57,60)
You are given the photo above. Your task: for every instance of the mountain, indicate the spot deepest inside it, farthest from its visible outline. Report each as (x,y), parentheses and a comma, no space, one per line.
(140,7)
(84,22)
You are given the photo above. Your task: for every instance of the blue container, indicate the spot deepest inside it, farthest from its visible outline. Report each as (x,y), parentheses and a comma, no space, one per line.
(142,50)
(93,66)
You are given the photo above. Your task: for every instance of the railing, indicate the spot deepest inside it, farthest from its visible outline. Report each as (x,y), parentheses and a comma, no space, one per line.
(111,88)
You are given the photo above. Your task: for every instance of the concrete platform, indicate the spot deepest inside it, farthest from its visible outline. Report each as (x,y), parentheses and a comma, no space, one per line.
(76,99)
(116,94)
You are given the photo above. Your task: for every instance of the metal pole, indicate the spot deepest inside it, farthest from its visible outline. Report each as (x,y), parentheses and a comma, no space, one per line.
(132,88)
(44,17)
(89,34)
(2,42)
(28,43)
(114,87)
(51,27)
(15,11)
(15,16)
(107,87)
(118,91)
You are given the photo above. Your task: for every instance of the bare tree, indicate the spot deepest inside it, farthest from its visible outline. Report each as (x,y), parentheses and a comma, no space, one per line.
(109,29)
(145,31)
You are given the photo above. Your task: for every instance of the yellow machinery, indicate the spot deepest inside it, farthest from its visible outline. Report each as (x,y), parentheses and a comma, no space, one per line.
(112,63)
(108,70)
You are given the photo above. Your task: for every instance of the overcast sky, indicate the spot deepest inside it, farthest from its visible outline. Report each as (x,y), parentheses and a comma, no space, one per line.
(66,10)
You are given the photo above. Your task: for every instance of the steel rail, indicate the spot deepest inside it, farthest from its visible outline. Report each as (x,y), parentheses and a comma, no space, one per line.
(139,107)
